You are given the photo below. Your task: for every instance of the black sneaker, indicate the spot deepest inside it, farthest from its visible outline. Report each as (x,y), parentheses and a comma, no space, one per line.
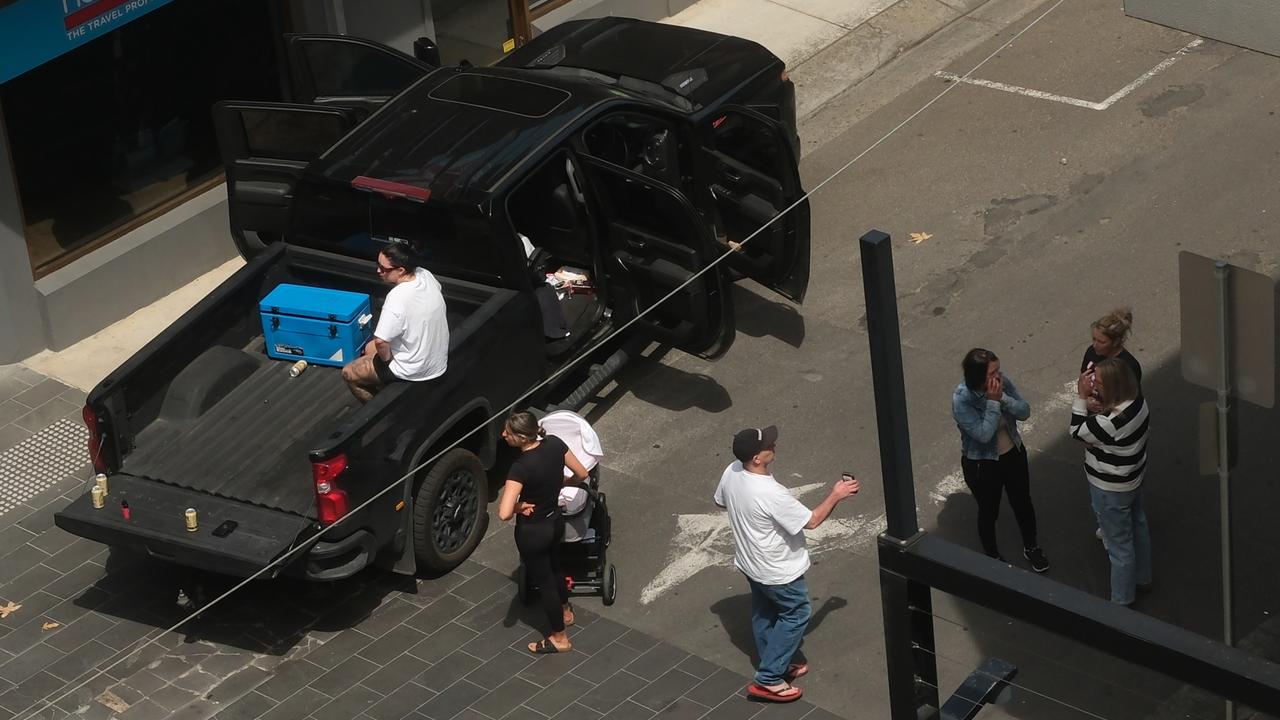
(1035,555)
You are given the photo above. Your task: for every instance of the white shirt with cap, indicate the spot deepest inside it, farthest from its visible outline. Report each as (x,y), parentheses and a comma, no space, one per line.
(767,524)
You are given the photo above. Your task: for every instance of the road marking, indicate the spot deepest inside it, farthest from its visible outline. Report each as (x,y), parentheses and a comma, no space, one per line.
(705,540)
(1077,102)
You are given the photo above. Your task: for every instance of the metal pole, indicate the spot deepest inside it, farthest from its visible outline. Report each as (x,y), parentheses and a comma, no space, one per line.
(890,389)
(1221,272)
(907,605)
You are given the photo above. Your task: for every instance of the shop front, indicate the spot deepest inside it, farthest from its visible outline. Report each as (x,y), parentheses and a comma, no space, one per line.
(111,189)
(105,128)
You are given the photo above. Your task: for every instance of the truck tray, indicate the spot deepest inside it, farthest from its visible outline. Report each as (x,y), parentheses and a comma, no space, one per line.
(252,445)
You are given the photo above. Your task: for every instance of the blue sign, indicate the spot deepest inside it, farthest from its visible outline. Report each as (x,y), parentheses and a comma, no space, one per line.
(33,32)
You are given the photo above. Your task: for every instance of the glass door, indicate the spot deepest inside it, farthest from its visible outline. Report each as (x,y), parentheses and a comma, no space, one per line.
(479,31)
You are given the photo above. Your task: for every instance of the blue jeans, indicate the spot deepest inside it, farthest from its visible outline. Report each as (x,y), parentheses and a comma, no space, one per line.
(1128,540)
(779,616)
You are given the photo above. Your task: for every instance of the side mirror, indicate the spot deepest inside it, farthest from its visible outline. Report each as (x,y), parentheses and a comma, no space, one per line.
(426,50)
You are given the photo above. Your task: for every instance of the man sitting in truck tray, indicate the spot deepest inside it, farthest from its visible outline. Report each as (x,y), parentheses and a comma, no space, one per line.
(411,340)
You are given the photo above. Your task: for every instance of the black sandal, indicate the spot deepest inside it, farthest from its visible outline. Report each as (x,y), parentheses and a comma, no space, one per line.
(545,647)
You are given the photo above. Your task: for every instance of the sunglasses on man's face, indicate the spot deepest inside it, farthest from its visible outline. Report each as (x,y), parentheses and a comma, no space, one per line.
(383,269)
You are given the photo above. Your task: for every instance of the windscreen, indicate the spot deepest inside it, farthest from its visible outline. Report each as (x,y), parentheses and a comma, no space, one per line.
(453,242)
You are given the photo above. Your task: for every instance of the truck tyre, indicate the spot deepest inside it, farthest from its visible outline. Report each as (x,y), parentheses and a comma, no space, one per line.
(450,511)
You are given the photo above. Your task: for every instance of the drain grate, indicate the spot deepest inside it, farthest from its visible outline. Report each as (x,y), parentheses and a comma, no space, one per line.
(42,461)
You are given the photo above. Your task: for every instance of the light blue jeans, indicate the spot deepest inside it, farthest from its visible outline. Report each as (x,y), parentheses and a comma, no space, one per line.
(1128,540)
(779,616)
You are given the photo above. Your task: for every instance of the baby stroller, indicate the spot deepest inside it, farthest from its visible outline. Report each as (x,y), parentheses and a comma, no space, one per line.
(586,516)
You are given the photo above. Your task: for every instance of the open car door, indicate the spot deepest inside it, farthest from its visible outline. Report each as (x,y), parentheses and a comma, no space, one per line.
(348,71)
(265,148)
(656,243)
(755,179)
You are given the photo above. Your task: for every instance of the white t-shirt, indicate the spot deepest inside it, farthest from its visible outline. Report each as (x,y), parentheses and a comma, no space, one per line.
(768,526)
(413,322)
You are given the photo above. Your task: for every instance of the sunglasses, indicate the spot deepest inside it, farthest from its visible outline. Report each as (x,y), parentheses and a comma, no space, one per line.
(383,269)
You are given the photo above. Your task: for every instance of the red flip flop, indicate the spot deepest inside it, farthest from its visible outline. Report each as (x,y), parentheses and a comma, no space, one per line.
(796,671)
(791,693)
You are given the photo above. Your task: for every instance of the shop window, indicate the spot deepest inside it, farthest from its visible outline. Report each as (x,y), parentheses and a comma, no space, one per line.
(118,129)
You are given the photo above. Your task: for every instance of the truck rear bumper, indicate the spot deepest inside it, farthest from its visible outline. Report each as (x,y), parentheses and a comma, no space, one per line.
(254,537)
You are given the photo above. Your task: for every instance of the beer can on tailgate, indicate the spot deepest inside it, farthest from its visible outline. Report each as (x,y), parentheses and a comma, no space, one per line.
(99,497)
(192,524)
(101,481)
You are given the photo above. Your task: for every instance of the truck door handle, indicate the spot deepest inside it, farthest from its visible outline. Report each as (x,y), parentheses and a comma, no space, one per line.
(733,176)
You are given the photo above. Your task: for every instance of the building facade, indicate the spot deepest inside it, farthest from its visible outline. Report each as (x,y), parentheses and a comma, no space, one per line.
(111,192)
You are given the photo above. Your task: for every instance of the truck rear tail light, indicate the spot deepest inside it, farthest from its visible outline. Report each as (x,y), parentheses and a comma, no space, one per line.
(331,500)
(95,439)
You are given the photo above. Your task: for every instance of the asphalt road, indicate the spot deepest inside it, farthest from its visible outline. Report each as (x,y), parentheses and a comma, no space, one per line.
(1040,216)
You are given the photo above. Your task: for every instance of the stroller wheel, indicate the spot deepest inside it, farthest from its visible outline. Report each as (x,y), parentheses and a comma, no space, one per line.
(610,585)
(522,585)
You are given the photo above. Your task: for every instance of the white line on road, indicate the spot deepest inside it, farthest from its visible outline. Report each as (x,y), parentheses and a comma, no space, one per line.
(705,540)
(1077,102)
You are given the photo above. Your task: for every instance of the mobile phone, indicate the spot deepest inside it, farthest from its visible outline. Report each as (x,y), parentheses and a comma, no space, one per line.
(846,476)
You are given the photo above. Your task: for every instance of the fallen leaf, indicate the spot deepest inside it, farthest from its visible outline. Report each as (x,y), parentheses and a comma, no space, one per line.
(919,237)
(113,701)
(50,625)
(7,610)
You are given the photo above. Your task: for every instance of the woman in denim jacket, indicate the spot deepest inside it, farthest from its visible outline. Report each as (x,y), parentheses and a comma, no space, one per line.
(987,408)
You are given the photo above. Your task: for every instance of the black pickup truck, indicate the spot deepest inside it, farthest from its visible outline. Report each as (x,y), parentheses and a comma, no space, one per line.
(631,151)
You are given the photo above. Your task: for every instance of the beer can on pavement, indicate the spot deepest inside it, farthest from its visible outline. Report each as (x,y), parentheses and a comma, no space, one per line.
(99,497)
(192,525)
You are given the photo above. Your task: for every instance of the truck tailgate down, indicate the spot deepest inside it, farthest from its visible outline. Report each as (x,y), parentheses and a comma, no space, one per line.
(156,525)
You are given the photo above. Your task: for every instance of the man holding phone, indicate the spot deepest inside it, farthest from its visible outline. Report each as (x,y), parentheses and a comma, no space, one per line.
(768,532)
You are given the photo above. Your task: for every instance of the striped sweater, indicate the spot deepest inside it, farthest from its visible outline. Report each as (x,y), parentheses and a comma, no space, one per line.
(1116,458)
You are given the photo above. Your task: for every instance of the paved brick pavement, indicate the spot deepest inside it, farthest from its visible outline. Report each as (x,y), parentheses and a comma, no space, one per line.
(87,636)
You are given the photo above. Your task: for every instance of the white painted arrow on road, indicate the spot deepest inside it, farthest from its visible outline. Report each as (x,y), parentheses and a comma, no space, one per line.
(705,540)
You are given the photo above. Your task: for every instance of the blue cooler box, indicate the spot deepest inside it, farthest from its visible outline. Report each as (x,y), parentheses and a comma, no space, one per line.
(321,326)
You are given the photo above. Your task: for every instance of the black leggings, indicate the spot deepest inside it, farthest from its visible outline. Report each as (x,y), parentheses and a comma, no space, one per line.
(988,480)
(539,544)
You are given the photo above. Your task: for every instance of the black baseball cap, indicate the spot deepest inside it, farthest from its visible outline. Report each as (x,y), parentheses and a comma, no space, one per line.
(752,440)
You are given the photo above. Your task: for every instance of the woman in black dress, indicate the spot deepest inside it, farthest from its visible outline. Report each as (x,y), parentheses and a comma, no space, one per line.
(533,484)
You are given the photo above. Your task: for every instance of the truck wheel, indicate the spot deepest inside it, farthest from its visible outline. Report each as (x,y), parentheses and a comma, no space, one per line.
(450,512)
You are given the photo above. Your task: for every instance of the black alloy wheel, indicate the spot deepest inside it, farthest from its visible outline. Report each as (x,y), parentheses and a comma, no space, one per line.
(450,515)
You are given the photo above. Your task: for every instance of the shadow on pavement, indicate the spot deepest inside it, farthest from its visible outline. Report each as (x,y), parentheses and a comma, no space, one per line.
(759,316)
(664,386)
(265,616)
(735,617)
(1182,508)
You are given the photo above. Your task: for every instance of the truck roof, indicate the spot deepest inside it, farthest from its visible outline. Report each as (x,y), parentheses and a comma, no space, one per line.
(459,132)
(696,64)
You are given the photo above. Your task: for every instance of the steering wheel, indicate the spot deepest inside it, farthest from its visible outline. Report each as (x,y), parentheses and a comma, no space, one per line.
(607,142)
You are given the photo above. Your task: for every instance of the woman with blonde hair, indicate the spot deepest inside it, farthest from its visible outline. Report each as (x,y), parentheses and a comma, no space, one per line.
(1115,464)
(1108,336)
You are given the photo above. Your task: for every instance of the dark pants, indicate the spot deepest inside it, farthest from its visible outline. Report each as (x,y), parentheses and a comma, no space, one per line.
(987,480)
(539,544)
